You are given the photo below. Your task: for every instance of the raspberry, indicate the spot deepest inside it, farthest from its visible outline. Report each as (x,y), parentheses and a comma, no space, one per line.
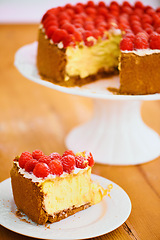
(41,170)
(90,4)
(59,35)
(68,27)
(45,159)
(77,36)
(56,167)
(138,4)
(68,163)
(68,152)
(30,164)
(154,41)
(81,162)
(101,4)
(141,41)
(90,160)
(37,154)
(50,30)
(55,156)
(25,156)
(126,44)
(129,35)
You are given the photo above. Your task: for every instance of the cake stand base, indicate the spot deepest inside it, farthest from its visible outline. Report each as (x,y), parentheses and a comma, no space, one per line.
(116,134)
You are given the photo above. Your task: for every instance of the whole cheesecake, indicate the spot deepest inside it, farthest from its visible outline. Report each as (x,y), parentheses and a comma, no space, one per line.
(85,42)
(51,188)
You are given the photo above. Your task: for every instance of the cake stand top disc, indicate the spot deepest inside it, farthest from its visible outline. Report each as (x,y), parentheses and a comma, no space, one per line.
(25,62)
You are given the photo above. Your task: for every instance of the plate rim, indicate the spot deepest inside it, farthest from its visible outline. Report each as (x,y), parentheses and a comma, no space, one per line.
(94,177)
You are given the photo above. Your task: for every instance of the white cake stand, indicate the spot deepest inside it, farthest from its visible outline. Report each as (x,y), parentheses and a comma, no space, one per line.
(116,134)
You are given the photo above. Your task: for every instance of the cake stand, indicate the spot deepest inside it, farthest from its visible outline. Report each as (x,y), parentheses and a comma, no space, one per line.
(116,134)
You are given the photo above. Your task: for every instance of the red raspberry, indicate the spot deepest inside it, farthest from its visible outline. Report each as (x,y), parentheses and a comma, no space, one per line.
(90,160)
(126,4)
(37,154)
(68,27)
(45,159)
(154,41)
(127,9)
(78,9)
(56,167)
(141,41)
(101,4)
(25,156)
(41,170)
(90,4)
(68,163)
(126,44)
(91,11)
(81,162)
(29,166)
(130,35)
(55,156)
(68,152)
(50,30)
(77,36)
(59,35)
(138,4)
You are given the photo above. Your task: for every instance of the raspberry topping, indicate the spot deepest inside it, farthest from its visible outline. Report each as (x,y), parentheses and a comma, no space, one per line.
(81,162)
(30,164)
(56,167)
(126,44)
(42,165)
(41,170)
(36,154)
(25,156)
(68,163)
(73,24)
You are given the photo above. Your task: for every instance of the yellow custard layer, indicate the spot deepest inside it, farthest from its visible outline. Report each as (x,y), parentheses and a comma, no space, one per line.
(84,61)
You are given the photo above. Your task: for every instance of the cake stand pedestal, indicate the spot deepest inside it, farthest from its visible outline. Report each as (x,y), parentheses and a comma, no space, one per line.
(116,134)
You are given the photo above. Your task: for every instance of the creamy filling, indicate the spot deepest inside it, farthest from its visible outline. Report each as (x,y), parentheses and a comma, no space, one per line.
(84,61)
(67,192)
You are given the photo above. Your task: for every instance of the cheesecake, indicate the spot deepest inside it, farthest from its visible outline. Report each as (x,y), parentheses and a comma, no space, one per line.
(81,43)
(51,188)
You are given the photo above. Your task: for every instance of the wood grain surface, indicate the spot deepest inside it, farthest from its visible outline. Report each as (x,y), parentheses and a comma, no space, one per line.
(33,116)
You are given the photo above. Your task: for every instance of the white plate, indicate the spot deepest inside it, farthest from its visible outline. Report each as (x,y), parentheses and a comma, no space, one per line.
(25,61)
(97,220)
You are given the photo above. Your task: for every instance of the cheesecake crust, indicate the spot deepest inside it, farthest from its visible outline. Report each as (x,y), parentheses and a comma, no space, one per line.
(139,74)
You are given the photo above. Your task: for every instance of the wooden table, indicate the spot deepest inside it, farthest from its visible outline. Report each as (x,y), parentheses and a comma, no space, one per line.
(33,116)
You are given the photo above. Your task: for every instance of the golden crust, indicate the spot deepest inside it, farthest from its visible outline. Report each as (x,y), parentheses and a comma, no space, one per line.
(139,74)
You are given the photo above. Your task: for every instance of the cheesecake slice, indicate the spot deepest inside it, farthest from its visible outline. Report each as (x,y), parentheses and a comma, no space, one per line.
(51,188)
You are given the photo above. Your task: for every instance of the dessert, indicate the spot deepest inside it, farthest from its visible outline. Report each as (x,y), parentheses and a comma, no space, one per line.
(51,188)
(85,42)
